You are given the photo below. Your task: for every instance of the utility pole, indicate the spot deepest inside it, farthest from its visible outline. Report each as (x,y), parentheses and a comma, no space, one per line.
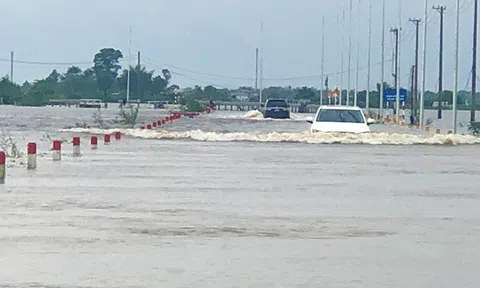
(355,95)
(474,62)
(129,60)
(326,87)
(323,59)
(342,59)
(455,89)
(416,22)
(349,53)
(261,68)
(395,75)
(395,32)
(398,62)
(139,96)
(11,66)
(367,96)
(382,78)
(441,10)
(412,87)
(256,70)
(424,65)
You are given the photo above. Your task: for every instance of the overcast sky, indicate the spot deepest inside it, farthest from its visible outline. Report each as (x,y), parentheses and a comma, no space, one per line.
(213,41)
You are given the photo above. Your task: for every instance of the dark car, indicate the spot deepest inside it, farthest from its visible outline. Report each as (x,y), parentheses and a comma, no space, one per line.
(276,108)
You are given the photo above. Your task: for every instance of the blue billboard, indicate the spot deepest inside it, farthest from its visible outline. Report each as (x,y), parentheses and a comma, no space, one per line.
(390,94)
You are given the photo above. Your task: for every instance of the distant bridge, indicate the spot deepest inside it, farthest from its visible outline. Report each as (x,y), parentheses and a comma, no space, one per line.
(221,105)
(76,102)
(248,106)
(64,102)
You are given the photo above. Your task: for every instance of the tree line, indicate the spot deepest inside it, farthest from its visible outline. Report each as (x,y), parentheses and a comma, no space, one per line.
(106,80)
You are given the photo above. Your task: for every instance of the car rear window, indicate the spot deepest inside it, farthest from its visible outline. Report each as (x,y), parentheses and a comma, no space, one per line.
(276,103)
(340,115)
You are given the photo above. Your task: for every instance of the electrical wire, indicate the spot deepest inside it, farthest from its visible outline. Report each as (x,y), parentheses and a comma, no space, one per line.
(55,63)
(308,77)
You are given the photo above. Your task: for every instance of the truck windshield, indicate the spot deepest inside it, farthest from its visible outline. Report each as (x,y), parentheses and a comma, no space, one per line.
(339,115)
(276,103)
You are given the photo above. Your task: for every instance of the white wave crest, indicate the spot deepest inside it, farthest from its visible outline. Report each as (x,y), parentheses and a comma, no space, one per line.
(299,137)
(253,114)
(257,116)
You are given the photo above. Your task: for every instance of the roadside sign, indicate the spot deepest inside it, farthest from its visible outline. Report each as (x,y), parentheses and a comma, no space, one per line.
(390,94)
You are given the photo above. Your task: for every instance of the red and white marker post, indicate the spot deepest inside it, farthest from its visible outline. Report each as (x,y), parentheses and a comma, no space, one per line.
(3,162)
(94,142)
(76,147)
(57,150)
(106,139)
(32,156)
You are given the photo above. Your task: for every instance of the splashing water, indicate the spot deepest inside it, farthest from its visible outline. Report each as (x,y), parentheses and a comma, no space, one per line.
(292,137)
(253,114)
(258,116)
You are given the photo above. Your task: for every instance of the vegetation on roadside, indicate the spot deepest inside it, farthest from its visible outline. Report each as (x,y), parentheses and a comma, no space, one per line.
(98,119)
(9,146)
(128,117)
(474,128)
(192,105)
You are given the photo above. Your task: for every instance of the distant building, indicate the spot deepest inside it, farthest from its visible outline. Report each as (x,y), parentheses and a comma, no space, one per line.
(243,93)
(186,90)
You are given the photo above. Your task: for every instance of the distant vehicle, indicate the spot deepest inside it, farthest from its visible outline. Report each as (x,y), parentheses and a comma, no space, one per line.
(277,109)
(90,103)
(340,119)
(156,104)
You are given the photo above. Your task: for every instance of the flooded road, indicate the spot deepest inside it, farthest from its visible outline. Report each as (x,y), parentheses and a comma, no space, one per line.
(165,209)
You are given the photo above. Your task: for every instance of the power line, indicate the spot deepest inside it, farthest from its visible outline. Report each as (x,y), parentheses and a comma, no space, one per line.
(183,75)
(53,63)
(160,64)
(310,77)
(198,80)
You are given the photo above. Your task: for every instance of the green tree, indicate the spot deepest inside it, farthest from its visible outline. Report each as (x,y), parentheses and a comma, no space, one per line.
(278,92)
(72,71)
(212,93)
(89,73)
(166,75)
(429,98)
(447,96)
(139,77)
(26,85)
(10,93)
(191,104)
(106,67)
(159,85)
(76,85)
(54,76)
(306,93)
(39,93)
